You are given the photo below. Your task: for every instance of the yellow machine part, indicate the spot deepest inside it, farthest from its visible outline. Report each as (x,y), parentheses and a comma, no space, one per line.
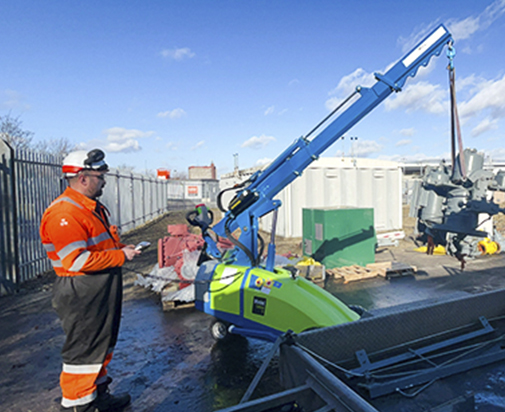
(488,247)
(439,250)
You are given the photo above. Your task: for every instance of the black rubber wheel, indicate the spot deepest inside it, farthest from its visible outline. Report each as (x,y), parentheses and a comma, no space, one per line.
(219,330)
(360,310)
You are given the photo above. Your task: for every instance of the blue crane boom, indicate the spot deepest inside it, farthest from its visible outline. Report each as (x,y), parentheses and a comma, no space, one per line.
(262,301)
(257,198)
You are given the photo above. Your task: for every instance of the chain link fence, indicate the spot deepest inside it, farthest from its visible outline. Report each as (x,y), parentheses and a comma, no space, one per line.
(30,181)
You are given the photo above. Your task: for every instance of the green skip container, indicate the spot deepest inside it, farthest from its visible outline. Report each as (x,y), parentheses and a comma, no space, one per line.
(340,236)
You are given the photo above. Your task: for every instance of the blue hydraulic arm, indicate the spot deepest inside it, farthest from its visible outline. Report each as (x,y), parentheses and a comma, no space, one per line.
(255,198)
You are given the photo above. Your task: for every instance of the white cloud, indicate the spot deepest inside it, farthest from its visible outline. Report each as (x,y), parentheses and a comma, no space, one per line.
(364,148)
(484,126)
(404,142)
(120,134)
(497,153)
(460,29)
(264,161)
(270,110)
(118,139)
(360,77)
(332,103)
(129,145)
(422,96)
(11,99)
(489,95)
(198,145)
(419,32)
(171,146)
(178,54)
(257,143)
(463,29)
(347,86)
(408,132)
(469,82)
(173,114)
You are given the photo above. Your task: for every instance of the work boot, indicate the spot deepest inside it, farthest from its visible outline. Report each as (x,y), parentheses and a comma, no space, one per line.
(108,403)
(103,387)
(89,407)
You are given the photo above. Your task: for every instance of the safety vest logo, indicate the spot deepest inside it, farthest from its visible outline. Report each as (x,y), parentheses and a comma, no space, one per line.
(64,222)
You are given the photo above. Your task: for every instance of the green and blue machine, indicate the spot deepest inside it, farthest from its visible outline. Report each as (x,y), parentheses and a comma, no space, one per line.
(263,301)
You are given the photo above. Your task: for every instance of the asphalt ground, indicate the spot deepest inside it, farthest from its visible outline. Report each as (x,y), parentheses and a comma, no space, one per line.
(167,361)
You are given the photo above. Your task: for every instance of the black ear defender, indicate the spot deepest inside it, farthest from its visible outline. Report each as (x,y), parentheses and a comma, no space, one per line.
(95,160)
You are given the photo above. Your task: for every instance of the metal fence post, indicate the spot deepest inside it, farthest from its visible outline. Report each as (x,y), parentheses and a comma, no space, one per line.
(8,229)
(118,203)
(143,200)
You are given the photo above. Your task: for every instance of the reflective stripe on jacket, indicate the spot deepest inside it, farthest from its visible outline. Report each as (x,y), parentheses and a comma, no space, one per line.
(76,236)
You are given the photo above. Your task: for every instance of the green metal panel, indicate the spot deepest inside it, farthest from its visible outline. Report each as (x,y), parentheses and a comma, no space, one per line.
(227,279)
(295,304)
(275,299)
(340,236)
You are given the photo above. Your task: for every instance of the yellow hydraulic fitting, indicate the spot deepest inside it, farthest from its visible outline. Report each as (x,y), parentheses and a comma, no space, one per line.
(488,247)
(439,250)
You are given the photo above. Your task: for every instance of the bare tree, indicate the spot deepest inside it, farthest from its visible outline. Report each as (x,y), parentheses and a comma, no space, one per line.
(178,175)
(125,168)
(12,132)
(61,146)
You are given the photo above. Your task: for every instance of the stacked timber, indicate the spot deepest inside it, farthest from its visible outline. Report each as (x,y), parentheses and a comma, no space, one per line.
(385,270)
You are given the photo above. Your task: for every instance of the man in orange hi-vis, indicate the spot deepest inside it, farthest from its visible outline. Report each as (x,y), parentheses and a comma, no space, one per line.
(87,256)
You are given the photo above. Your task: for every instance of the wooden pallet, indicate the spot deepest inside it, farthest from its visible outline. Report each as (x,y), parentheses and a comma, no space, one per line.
(315,273)
(169,305)
(393,269)
(352,273)
(372,270)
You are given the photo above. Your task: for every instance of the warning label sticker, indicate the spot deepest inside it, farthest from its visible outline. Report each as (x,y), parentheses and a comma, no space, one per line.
(259,306)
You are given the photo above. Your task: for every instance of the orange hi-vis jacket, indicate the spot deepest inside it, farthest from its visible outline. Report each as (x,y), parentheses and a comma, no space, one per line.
(77,238)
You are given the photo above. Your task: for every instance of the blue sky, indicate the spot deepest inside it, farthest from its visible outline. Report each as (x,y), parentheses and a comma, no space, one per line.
(172,84)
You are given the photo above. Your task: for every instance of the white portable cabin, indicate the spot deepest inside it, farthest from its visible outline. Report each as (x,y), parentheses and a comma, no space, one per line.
(335,182)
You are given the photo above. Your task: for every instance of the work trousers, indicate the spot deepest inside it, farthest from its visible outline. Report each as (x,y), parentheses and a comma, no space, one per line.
(89,307)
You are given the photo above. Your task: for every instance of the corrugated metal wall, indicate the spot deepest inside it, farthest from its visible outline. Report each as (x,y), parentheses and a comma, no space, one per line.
(188,192)
(134,199)
(27,181)
(332,182)
(30,181)
(38,179)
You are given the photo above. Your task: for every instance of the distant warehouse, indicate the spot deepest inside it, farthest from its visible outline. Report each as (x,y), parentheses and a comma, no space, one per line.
(201,186)
(202,172)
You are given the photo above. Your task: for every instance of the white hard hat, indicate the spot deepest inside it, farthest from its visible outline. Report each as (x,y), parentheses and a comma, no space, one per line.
(79,160)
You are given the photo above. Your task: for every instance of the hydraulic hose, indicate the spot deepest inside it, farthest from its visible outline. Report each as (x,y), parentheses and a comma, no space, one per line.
(237,243)
(261,250)
(221,193)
